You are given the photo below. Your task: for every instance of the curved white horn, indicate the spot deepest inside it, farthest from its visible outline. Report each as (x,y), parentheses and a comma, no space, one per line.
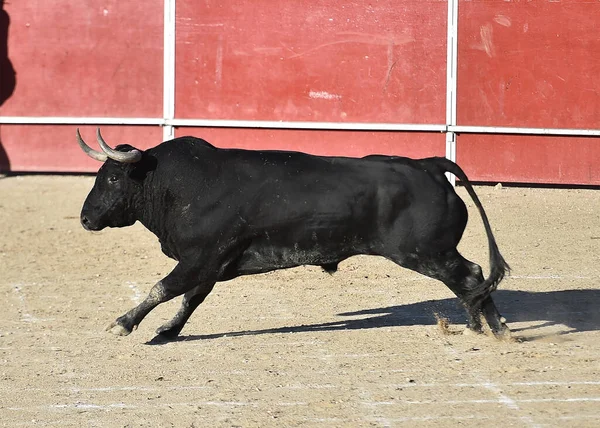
(126,157)
(94,154)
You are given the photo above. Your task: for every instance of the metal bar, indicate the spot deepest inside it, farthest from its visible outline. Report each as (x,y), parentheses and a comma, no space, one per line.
(451,86)
(210,123)
(451,154)
(451,62)
(169,69)
(343,126)
(52,120)
(333,126)
(524,131)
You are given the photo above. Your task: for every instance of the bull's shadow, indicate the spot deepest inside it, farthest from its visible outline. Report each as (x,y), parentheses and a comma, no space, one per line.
(577,310)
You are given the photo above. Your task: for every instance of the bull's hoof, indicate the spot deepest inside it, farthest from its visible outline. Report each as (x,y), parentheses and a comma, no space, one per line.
(117,329)
(168,331)
(503,334)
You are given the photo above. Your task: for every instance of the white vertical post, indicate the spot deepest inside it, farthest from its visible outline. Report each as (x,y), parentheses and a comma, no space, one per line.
(169,69)
(451,72)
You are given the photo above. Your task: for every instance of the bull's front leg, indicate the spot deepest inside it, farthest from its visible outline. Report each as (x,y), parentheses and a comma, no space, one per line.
(191,300)
(182,279)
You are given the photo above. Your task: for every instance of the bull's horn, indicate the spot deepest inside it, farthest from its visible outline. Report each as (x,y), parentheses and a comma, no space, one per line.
(131,156)
(94,154)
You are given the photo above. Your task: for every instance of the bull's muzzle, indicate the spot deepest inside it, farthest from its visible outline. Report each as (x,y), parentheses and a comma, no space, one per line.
(89,224)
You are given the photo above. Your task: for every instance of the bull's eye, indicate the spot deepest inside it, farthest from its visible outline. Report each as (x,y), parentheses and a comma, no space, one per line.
(113,179)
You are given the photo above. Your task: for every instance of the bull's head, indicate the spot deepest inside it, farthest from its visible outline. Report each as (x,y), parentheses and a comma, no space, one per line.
(117,191)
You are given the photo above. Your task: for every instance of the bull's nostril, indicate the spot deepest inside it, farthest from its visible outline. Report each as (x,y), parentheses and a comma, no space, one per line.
(84,220)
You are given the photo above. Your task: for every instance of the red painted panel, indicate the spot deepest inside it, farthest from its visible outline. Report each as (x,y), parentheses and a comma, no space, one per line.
(530,159)
(328,143)
(54,148)
(529,64)
(356,61)
(85,58)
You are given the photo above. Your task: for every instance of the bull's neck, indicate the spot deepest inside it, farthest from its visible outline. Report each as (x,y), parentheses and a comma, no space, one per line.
(153,207)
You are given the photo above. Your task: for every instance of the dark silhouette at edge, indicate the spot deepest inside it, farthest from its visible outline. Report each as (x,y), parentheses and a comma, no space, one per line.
(572,310)
(8,79)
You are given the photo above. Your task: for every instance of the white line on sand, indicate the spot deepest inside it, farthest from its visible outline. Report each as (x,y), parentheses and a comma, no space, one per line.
(137,294)
(24,310)
(502,398)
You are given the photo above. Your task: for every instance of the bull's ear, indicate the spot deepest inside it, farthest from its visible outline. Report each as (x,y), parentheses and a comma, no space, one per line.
(140,169)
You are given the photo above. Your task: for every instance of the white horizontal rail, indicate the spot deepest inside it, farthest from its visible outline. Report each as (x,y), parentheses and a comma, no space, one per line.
(51,120)
(215,123)
(342,126)
(525,131)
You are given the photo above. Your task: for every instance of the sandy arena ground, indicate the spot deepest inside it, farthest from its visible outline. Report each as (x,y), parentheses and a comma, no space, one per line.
(296,348)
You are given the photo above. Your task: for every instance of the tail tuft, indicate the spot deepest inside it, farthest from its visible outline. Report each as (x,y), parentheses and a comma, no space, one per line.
(498,266)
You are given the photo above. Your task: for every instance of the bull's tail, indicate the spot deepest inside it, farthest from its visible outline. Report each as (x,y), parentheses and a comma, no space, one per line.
(498,266)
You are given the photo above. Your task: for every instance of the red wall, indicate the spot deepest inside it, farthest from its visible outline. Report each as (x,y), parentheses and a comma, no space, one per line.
(85,58)
(80,59)
(530,159)
(531,64)
(327,143)
(53,148)
(355,61)
(520,64)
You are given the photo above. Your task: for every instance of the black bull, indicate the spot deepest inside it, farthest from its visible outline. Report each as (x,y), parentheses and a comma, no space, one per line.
(222,213)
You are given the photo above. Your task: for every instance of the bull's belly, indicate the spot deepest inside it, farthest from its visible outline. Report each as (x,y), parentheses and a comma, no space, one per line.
(260,259)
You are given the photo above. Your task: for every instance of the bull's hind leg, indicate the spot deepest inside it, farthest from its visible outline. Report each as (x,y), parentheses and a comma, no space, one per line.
(191,300)
(179,281)
(462,277)
(486,307)
(494,319)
